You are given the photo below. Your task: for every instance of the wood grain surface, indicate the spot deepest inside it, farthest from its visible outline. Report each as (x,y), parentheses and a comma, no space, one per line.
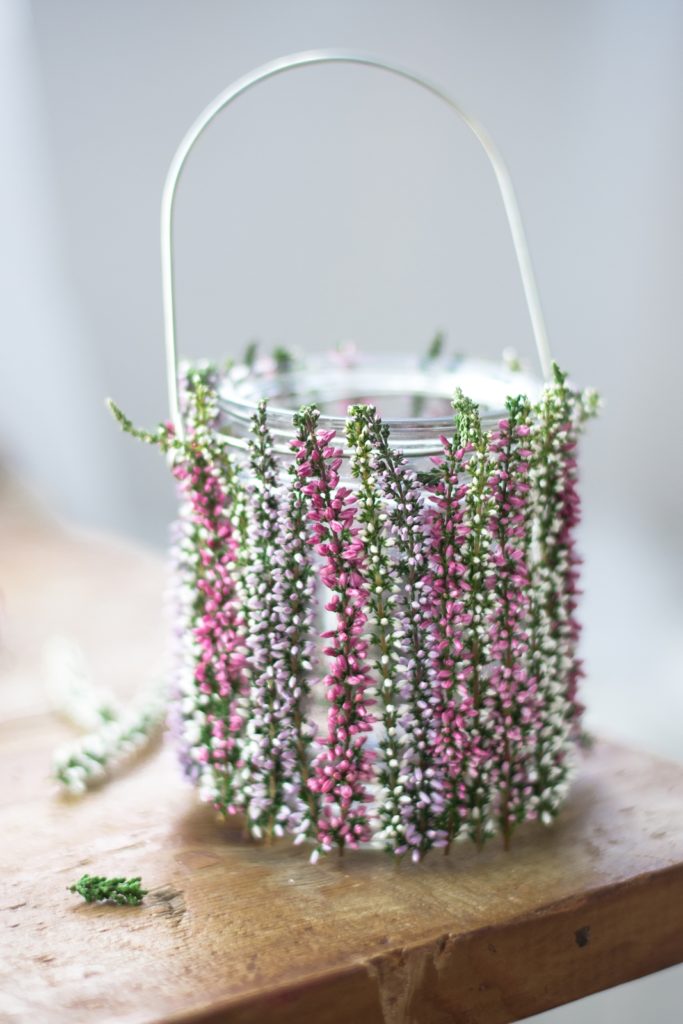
(235,932)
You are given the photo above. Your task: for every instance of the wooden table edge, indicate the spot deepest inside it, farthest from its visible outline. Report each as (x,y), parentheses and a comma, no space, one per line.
(524,950)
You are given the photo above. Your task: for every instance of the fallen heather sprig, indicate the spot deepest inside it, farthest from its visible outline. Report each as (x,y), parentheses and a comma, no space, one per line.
(72,691)
(99,889)
(91,759)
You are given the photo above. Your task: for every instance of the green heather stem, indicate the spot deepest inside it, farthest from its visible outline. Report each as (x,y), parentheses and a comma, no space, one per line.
(381,600)
(477,598)
(559,416)
(98,889)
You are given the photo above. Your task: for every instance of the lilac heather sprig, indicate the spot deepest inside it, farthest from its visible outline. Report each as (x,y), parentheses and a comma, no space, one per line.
(386,646)
(421,781)
(343,767)
(274,749)
(554,630)
(512,692)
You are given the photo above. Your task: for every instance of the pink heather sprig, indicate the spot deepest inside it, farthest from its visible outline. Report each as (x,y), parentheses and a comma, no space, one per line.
(274,750)
(386,646)
(211,672)
(210,659)
(512,699)
(343,767)
(472,789)
(419,777)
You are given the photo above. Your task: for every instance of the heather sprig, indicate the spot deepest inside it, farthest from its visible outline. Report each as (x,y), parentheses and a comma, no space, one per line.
(419,777)
(90,759)
(343,766)
(73,692)
(99,889)
(386,647)
(476,583)
(294,586)
(260,777)
(211,670)
(553,661)
(513,700)
(586,405)
(274,749)
(113,732)
(209,648)
(452,704)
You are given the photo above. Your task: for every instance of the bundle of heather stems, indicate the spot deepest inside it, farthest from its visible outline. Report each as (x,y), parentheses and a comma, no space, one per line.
(446,654)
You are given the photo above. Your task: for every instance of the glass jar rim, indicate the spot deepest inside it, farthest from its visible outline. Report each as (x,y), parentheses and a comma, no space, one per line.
(335,379)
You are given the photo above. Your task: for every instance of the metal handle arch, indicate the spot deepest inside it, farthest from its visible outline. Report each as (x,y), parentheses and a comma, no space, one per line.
(276,67)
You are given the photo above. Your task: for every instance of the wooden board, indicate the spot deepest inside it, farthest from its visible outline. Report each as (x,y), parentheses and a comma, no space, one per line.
(240,933)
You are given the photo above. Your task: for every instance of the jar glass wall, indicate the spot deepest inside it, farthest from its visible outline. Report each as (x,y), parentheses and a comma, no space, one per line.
(412,396)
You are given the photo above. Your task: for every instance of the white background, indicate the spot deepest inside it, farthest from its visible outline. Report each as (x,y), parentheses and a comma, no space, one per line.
(340,203)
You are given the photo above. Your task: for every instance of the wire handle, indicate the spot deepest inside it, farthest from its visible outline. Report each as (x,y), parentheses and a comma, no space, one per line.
(298,60)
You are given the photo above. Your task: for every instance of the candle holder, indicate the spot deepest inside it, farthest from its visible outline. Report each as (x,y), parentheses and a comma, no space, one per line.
(390,541)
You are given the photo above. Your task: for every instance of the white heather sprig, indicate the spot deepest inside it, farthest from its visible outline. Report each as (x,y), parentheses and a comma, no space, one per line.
(476,586)
(72,691)
(260,778)
(385,645)
(421,780)
(274,754)
(554,630)
(293,652)
(90,759)
(585,406)
(113,733)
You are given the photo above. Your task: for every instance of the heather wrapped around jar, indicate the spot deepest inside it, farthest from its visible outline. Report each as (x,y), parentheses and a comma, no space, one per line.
(432,611)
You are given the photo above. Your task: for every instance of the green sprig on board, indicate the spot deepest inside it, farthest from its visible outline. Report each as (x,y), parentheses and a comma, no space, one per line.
(98,889)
